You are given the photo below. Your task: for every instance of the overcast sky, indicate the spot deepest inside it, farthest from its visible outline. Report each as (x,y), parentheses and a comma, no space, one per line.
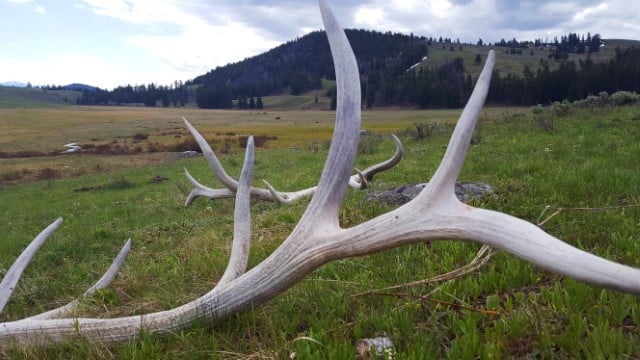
(107,43)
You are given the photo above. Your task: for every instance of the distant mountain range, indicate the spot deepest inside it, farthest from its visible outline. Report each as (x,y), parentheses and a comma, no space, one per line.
(72,87)
(13,84)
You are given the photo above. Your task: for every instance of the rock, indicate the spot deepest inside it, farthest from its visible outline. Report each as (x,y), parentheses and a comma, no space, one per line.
(187,154)
(465,191)
(157,179)
(375,348)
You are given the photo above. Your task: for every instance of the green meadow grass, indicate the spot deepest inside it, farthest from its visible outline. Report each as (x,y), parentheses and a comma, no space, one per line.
(178,253)
(16,97)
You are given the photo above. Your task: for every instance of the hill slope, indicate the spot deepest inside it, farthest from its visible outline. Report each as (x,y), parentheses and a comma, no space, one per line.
(17,97)
(299,65)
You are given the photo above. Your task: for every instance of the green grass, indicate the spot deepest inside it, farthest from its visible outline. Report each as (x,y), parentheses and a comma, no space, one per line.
(588,160)
(16,97)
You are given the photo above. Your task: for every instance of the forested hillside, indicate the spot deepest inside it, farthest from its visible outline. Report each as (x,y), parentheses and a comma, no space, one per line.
(406,70)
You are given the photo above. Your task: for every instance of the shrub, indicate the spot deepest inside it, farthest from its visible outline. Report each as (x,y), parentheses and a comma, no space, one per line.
(561,108)
(368,143)
(623,98)
(423,130)
(137,137)
(188,144)
(543,118)
(119,184)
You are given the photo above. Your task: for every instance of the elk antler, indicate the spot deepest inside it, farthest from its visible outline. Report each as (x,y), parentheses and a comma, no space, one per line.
(435,214)
(358,181)
(11,277)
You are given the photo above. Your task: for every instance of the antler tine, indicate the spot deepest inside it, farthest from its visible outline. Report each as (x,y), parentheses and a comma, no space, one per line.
(334,179)
(280,197)
(200,190)
(359,178)
(241,221)
(445,176)
(213,161)
(369,172)
(12,276)
(104,281)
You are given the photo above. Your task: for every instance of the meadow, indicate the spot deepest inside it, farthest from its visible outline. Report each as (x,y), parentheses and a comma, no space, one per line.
(586,163)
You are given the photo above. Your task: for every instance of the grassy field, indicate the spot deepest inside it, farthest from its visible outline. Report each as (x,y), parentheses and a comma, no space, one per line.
(16,97)
(32,139)
(511,309)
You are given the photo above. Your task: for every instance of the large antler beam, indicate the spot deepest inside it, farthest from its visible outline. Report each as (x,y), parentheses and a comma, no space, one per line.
(435,214)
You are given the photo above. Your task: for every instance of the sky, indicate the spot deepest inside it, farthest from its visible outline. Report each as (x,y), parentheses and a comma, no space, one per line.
(110,43)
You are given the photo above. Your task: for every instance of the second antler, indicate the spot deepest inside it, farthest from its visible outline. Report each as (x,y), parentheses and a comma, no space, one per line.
(436,214)
(358,181)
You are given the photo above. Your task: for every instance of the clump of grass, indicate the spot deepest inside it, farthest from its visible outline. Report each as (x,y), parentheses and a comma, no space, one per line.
(137,137)
(423,130)
(543,118)
(368,144)
(119,184)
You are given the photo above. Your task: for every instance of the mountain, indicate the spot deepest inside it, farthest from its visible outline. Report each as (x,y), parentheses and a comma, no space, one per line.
(79,87)
(299,65)
(403,70)
(35,97)
(13,84)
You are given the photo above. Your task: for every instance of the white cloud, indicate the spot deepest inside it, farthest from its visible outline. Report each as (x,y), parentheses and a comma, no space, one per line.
(201,45)
(65,69)
(369,16)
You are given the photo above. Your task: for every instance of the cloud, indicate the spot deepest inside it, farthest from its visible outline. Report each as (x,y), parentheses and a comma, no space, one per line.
(200,45)
(165,40)
(193,36)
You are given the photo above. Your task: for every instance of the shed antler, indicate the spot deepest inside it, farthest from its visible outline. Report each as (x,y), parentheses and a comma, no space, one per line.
(435,214)
(358,181)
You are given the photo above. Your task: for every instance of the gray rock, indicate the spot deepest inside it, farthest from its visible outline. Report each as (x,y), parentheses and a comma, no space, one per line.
(465,191)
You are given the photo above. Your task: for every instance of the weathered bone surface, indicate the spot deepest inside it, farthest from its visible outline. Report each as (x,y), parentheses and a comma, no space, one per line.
(358,181)
(435,214)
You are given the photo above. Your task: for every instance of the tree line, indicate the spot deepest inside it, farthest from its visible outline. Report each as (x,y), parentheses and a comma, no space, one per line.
(571,81)
(448,87)
(386,63)
(175,95)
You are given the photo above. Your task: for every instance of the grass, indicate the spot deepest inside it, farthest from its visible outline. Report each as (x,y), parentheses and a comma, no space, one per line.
(16,97)
(589,159)
(41,133)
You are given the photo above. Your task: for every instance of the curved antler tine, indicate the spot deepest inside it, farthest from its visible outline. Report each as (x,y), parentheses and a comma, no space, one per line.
(104,281)
(369,172)
(451,164)
(276,194)
(241,221)
(212,159)
(200,190)
(395,159)
(361,179)
(12,276)
(332,186)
